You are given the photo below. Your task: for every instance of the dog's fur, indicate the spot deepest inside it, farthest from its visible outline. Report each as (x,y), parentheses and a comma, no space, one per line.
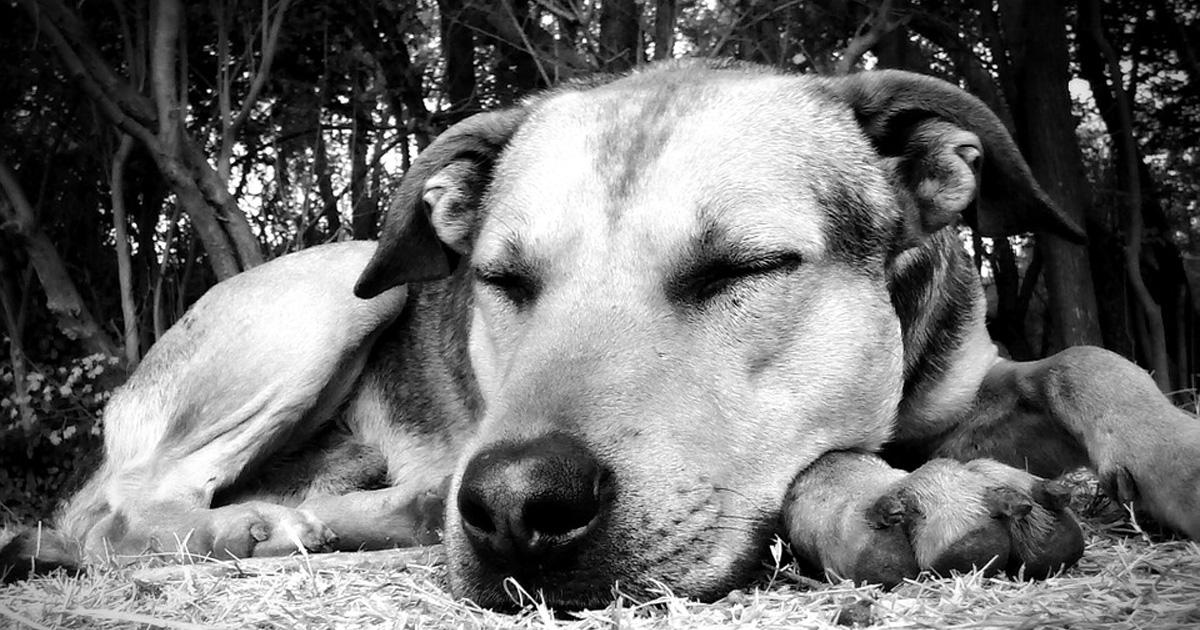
(623,328)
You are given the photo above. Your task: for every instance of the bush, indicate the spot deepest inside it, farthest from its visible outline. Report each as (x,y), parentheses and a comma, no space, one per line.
(50,437)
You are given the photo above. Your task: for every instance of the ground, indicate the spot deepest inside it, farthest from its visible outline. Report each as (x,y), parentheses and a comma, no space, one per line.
(1126,579)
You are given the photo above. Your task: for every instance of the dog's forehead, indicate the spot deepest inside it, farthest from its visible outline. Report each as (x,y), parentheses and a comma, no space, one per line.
(665,158)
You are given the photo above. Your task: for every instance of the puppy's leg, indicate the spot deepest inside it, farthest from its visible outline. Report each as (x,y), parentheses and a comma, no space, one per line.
(1088,405)
(262,360)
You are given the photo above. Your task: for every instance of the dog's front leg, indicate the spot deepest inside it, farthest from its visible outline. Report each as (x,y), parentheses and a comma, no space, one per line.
(380,519)
(1089,405)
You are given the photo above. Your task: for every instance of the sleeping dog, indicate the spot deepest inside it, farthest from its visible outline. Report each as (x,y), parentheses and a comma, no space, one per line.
(628,331)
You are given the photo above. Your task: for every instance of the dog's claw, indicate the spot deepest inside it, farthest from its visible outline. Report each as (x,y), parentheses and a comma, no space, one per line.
(1053,494)
(259,532)
(1008,502)
(1120,485)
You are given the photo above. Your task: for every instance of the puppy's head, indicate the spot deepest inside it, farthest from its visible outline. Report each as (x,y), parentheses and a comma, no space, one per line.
(680,300)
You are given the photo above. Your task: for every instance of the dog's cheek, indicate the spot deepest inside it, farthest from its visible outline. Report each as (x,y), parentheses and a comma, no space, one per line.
(758,396)
(482,351)
(830,378)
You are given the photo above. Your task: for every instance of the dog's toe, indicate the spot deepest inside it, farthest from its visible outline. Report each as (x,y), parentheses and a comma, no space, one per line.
(985,548)
(886,558)
(956,523)
(264,529)
(1046,538)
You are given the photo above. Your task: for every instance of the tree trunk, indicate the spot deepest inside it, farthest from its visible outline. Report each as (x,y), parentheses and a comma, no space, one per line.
(314,234)
(121,245)
(1128,157)
(363,211)
(620,35)
(62,298)
(1009,325)
(664,29)
(389,52)
(1046,133)
(1104,234)
(198,188)
(458,49)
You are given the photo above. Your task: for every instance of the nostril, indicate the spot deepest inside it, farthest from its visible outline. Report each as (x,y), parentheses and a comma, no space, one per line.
(556,518)
(475,513)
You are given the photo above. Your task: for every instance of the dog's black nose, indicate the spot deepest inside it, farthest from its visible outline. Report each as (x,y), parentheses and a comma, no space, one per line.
(531,501)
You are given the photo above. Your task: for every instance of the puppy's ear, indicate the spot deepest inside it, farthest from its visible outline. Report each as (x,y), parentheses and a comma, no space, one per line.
(437,205)
(947,149)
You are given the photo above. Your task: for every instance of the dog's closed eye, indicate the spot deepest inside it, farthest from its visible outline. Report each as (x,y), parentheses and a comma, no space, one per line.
(709,280)
(517,286)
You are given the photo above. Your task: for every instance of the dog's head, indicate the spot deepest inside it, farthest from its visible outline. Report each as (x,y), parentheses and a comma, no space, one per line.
(680,300)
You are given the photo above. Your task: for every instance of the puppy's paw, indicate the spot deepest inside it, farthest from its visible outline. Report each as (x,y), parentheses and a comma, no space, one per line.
(957,518)
(1046,538)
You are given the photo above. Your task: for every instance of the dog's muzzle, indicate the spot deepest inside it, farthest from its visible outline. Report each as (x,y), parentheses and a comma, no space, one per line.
(532,504)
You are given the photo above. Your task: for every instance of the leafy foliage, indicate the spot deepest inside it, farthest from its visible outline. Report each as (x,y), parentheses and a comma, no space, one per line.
(45,453)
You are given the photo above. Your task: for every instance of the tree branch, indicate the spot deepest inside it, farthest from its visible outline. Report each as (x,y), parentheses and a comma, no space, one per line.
(78,69)
(166,16)
(270,45)
(878,23)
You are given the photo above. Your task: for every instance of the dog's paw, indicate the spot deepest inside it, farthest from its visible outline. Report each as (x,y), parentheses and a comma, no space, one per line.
(264,529)
(884,554)
(1145,450)
(240,530)
(838,524)
(856,518)
(426,513)
(1045,536)
(955,517)
(1159,472)
(26,551)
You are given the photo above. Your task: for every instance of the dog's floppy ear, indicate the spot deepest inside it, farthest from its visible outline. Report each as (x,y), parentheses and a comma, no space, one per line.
(949,149)
(437,203)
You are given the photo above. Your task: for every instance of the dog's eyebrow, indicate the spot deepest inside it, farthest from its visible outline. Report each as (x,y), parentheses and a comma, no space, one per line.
(513,260)
(717,246)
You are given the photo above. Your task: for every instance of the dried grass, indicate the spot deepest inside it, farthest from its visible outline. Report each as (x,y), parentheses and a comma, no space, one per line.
(1126,579)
